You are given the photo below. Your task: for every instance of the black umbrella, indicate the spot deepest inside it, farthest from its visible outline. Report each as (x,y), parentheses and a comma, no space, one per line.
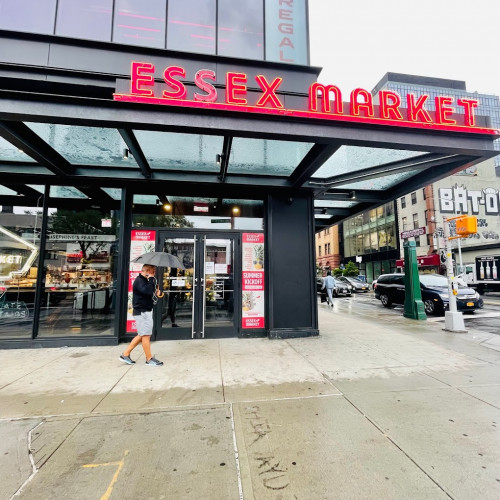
(159,259)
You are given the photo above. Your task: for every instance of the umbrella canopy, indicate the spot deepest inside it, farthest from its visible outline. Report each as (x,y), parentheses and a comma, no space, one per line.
(160,259)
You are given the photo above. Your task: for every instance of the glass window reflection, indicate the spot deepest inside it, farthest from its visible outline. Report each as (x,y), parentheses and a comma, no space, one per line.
(191,26)
(90,20)
(80,268)
(137,22)
(241,29)
(19,254)
(34,16)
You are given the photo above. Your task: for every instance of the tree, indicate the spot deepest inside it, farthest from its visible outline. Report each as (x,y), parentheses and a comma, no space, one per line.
(351,269)
(162,221)
(81,222)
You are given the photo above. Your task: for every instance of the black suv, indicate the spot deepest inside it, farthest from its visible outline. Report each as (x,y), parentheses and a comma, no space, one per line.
(390,289)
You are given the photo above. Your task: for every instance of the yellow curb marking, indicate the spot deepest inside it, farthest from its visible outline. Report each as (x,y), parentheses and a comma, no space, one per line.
(120,465)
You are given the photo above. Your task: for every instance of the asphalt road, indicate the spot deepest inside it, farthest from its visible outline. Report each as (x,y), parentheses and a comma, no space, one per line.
(365,304)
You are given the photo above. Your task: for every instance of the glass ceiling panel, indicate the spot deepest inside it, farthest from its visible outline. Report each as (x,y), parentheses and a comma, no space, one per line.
(145,199)
(8,152)
(334,204)
(5,190)
(354,159)
(187,199)
(85,145)
(263,157)
(383,182)
(66,192)
(36,187)
(168,150)
(115,193)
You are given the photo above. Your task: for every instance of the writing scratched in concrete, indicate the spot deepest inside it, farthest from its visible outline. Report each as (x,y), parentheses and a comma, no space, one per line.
(274,476)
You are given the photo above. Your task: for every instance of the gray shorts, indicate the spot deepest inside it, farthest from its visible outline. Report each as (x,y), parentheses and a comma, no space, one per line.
(144,323)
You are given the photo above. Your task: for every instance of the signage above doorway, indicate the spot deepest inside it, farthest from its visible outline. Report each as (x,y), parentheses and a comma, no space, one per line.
(260,95)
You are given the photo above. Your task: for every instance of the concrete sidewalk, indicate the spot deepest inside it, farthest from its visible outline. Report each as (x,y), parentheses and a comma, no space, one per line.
(370,409)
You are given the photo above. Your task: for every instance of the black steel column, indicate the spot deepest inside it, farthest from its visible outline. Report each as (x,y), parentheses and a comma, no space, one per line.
(290,267)
(40,277)
(123,263)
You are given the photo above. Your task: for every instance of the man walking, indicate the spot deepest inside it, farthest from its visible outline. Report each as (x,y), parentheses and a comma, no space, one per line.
(329,284)
(144,292)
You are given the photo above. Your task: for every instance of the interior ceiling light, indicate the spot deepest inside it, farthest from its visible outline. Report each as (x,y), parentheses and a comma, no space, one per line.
(236,210)
(167,207)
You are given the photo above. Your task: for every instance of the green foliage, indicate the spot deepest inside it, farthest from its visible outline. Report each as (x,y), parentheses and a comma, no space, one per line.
(161,221)
(337,272)
(351,269)
(81,222)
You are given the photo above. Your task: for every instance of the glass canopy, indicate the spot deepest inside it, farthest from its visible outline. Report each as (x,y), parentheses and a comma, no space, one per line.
(100,161)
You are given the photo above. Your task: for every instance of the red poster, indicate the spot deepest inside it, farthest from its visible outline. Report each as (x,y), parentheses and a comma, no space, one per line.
(142,241)
(253,298)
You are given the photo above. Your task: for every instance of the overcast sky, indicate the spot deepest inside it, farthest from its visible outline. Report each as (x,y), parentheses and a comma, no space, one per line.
(358,41)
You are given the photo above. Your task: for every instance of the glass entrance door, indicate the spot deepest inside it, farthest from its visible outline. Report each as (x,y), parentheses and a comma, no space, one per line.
(199,300)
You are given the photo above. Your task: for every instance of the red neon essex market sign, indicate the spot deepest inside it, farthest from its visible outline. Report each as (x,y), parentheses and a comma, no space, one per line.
(324,102)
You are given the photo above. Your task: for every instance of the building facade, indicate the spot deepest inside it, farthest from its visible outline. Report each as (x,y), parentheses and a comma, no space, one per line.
(194,128)
(418,215)
(327,250)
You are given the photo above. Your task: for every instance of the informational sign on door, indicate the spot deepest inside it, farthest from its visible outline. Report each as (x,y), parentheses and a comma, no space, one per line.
(141,242)
(253,298)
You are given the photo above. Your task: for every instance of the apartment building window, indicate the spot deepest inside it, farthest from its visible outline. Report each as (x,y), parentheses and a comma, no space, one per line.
(403,202)
(426,215)
(423,194)
(326,253)
(417,241)
(415,221)
(404,222)
(328,247)
(319,250)
(414,198)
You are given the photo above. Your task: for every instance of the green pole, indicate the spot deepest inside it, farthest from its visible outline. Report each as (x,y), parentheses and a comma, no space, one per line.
(414,307)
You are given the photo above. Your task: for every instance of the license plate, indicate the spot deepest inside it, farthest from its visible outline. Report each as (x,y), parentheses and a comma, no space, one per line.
(470,304)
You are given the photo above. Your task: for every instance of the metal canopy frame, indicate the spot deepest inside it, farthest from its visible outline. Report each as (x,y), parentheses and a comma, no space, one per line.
(444,154)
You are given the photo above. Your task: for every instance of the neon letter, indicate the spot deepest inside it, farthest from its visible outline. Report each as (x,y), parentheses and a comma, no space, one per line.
(179,91)
(357,106)
(390,109)
(443,109)
(469,105)
(416,110)
(211,91)
(232,87)
(138,78)
(269,91)
(316,88)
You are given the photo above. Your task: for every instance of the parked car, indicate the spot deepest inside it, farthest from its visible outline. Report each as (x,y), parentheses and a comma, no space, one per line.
(358,286)
(390,290)
(342,288)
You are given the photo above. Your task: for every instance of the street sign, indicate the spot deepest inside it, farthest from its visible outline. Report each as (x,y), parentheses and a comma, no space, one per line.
(220,221)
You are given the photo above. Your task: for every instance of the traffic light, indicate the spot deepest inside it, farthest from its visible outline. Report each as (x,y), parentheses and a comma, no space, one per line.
(465,225)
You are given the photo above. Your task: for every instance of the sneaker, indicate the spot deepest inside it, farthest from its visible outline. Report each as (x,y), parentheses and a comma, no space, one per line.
(175,325)
(154,362)
(126,359)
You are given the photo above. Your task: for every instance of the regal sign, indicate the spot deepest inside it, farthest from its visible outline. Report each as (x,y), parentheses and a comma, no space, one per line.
(260,95)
